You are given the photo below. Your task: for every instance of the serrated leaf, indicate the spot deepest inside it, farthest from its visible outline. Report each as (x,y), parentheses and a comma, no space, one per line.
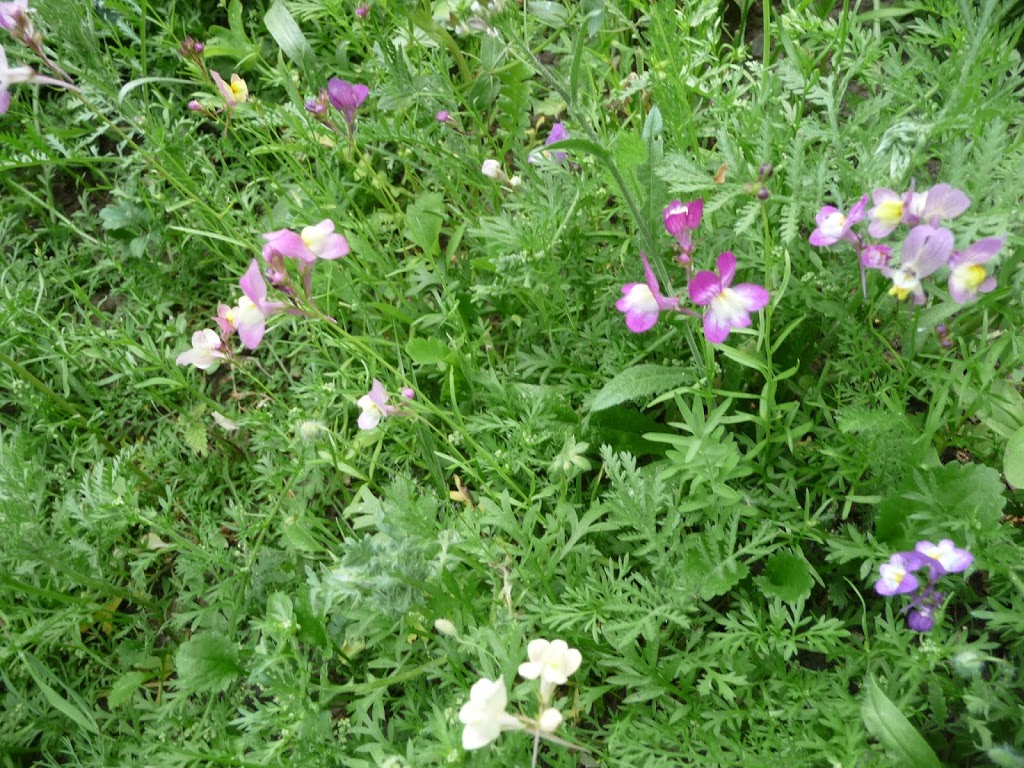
(788,577)
(195,438)
(1013,459)
(552,14)
(886,723)
(207,663)
(637,382)
(423,219)
(427,351)
(704,571)
(125,687)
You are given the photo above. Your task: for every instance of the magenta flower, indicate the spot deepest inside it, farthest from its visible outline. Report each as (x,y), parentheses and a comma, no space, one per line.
(314,242)
(897,576)
(346,98)
(925,250)
(408,393)
(967,278)
(362,10)
(375,407)
(206,350)
(943,202)
(249,317)
(728,306)
(318,105)
(680,220)
(834,225)
(641,302)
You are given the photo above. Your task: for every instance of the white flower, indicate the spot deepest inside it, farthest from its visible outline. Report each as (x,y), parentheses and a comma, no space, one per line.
(206,350)
(484,714)
(549,720)
(492,169)
(552,662)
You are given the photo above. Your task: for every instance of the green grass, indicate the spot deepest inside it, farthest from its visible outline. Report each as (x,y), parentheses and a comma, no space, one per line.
(220,568)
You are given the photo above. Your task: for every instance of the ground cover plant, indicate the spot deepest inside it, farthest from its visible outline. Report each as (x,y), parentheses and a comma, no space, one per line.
(511,383)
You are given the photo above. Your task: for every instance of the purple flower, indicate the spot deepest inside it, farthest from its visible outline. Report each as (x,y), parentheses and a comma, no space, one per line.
(195,106)
(834,226)
(314,242)
(728,307)
(408,393)
(443,116)
(921,618)
(346,97)
(889,210)
(925,250)
(967,278)
(872,256)
(557,133)
(318,105)
(943,202)
(897,576)
(948,555)
(374,405)
(641,302)
(14,15)
(680,220)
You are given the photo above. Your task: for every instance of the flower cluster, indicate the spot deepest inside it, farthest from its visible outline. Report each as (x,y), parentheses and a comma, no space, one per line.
(728,306)
(484,715)
(927,248)
(248,316)
(898,577)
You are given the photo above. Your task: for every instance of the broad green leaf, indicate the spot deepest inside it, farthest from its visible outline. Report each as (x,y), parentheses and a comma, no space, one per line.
(887,724)
(423,219)
(427,351)
(207,663)
(637,382)
(552,14)
(125,687)
(1013,459)
(788,577)
(286,33)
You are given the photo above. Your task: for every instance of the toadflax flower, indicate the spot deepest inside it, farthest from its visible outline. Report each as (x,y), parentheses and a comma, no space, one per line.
(347,97)
(557,133)
(484,715)
(15,75)
(925,250)
(206,350)
(14,16)
(728,306)
(491,168)
(947,554)
(967,278)
(642,302)
(249,316)
(375,407)
(888,211)
(897,576)
(234,93)
(943,202)
(317,241)
(552,662)
(834,225)
(680,220)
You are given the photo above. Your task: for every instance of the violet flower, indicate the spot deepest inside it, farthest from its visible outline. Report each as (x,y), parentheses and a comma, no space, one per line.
(728,306)
(557,133)
(967,278)
(943,202)
(896,576)
(888,212)
(681,219)
(925,250)
(642,302)
(346,97)
(947,554)
(834,225)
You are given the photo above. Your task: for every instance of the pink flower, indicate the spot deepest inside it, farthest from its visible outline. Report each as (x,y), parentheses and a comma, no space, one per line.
(314,242)
(375,407)
(834,226)
(206,350)
(362,10)
(14,75)
(641,302)
(14,15)
(249,316)
(967,278)
(943,202)
(235,93)
(728,306)
(680,220)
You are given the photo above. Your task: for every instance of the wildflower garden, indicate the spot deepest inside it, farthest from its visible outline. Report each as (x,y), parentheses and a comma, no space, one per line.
(511,383)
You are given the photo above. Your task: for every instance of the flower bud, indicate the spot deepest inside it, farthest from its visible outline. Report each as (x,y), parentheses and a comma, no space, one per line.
(445,627)
(549,720)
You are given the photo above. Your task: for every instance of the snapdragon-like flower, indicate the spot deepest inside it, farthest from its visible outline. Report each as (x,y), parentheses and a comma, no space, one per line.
(834,225)
(491,168)
(557,133)
(317,241)
(14,16)
(484,715)
(889,210)
(15,75)
(642,302)
(249,316)
(207,349)
(897,576)
(942,202)
(728,306)
(235,93)
(347,98)
(925,250)
(681,219)
(375,407)
(967,276)
(947,554)
(552,662)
